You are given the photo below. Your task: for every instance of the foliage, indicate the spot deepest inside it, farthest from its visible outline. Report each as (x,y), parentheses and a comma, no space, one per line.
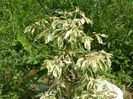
(22,55)
(74,67)
(113,18)
(18,57)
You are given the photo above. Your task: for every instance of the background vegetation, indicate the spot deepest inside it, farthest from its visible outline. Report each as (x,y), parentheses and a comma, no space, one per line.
(21,59)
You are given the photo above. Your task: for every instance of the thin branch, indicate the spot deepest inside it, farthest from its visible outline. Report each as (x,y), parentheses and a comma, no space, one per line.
(43,7)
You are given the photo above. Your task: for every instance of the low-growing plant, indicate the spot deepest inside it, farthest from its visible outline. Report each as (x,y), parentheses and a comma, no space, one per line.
(16,58)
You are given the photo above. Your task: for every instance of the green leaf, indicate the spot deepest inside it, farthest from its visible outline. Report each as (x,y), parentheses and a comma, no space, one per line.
(22,39)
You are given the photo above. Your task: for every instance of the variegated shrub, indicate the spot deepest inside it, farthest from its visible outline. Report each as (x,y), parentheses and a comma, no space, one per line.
(75,71)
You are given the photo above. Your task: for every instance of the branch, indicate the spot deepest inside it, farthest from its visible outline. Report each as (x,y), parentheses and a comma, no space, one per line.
(43,7)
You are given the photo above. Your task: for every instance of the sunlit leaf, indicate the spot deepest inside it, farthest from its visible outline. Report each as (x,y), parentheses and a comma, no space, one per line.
(103,35)
(84,64)
(67,34)
(49,38)
(67,60)
(60,42)
(22,39)
(54,67)
(87,44)
(79,62)
(99,39)
(28,29)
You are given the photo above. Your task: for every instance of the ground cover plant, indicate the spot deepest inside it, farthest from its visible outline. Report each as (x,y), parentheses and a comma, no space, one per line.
(16,59)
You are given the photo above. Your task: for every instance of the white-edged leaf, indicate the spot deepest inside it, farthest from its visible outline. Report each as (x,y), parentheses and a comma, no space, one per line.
(67,34)
(82,21)
(85,95)
(99,39)
(67,60)
(42,34)
(49,65)
(74,32)
(100,66)
(33,30)
(88,20)
(73,37)
(87,44)
(80,33)
(79,62)
(37,23)
(55,23)
(89,85)
(49,38)
(54,67)
(60,42)
(28,29)
(94,66)
(104,65)
(84,64)
(77,22)
(104,35)
(57,72)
